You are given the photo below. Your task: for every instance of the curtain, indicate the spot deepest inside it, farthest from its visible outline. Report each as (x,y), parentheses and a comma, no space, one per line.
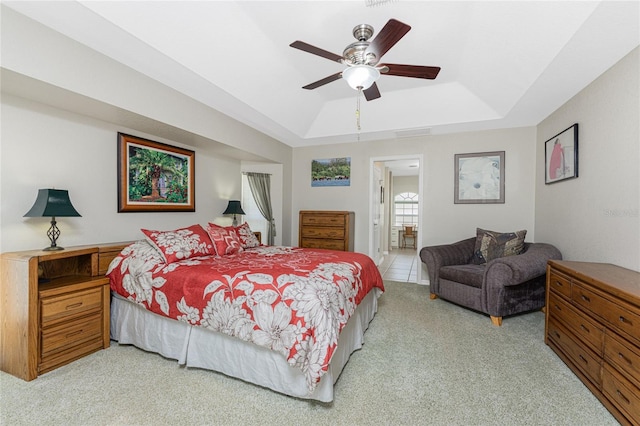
(260,185)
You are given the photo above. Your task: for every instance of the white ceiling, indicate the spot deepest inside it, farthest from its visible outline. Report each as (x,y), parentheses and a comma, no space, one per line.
(504,64)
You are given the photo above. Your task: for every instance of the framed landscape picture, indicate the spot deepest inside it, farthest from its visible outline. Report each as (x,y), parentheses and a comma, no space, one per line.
(561,156)
(479,178)
(154,177)
(331,172)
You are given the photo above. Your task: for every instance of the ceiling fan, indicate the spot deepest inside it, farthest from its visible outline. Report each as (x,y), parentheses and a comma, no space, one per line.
(363,56)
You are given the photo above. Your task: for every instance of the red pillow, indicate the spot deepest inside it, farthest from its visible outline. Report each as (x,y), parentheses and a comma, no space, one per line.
(247,238)
(180,244)
(225,240)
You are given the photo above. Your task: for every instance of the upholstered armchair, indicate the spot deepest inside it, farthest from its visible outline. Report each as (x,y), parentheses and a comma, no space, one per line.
(500,287)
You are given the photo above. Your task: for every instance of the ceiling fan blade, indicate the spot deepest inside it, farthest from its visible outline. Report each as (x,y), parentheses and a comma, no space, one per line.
(316,51)
(390,34)
(324,81)
(372,92)
(415,71)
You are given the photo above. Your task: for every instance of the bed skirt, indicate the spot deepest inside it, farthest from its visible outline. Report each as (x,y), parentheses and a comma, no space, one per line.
(202,348)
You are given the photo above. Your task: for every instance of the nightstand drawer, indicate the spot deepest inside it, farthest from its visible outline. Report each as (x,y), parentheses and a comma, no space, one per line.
(59,359)
(54,309)
(68,334)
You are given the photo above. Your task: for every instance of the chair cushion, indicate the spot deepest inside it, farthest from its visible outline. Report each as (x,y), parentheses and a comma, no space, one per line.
(492,245)
(470,275)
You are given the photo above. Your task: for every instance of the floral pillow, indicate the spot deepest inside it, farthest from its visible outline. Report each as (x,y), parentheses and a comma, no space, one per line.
(492,245)
(180,244)
(225,240)
(247,238)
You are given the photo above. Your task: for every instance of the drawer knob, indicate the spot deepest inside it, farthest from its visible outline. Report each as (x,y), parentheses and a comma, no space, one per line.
(559,283)
(584,328)
(73,306)
(621,395)
(624,320)
(585,298)
(583,359)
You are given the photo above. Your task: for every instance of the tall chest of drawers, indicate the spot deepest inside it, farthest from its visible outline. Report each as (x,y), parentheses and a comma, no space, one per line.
(326,229)
(593,324)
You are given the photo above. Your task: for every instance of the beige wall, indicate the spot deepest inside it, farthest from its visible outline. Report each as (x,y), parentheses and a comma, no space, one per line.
(44,147)
(596,217)
(405,184)
(62,106)
(443,221)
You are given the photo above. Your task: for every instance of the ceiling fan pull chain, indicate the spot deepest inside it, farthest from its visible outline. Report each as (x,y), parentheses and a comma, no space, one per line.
(358,108)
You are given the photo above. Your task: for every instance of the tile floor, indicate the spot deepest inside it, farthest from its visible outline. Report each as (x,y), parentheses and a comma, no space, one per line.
(400,265)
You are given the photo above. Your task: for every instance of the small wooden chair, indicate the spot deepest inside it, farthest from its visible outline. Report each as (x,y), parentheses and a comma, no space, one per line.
(408,232)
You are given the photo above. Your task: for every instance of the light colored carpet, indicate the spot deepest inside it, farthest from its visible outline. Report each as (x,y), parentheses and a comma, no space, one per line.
(424,362)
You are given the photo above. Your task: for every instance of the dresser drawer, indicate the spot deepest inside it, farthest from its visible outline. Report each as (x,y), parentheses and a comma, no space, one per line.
(560,284)
(582,357)
(54,309)
(323,220)
(623,355)
(334,233)
(620,318)
(584,328)
(622,393)
(323,244)
(65,335)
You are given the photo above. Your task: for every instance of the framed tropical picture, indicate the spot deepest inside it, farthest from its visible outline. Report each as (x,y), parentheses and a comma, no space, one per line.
(479,178)
(561,156)
(154,177)
(331,172)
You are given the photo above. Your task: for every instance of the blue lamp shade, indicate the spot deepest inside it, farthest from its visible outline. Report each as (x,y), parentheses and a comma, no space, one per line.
(234,208)
(52,203)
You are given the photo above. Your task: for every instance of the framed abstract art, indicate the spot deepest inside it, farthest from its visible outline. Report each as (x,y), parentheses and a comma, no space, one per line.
(561,156)
(479,178)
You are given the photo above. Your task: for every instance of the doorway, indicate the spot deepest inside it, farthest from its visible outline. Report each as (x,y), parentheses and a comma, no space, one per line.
(382,172)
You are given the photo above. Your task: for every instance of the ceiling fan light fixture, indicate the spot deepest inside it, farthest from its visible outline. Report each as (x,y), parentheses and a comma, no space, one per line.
(360,76)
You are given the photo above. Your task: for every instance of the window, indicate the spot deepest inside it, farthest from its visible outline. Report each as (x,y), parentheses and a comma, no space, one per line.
(253,216)
(405,207)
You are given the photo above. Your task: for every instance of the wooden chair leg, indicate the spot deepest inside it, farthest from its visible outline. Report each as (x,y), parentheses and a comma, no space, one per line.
(496,320)
(433,296)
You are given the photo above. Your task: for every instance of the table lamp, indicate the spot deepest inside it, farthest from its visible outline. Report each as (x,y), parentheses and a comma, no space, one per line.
(234,208)
(52,203)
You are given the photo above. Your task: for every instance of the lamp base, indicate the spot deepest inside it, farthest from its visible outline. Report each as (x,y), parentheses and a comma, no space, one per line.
(53,233)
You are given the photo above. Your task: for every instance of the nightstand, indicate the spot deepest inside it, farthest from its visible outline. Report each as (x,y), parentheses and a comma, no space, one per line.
(54,309)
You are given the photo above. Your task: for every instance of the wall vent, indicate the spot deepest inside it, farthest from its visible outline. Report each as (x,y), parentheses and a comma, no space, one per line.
(410,133)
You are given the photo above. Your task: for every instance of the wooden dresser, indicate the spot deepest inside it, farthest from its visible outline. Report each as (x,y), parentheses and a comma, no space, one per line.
(593,324)
(54,307)
(326,229)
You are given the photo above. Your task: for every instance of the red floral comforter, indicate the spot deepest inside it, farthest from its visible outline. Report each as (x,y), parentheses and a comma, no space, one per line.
(292,300)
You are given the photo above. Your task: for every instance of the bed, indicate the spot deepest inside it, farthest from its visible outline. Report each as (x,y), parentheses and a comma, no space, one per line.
(285,318)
